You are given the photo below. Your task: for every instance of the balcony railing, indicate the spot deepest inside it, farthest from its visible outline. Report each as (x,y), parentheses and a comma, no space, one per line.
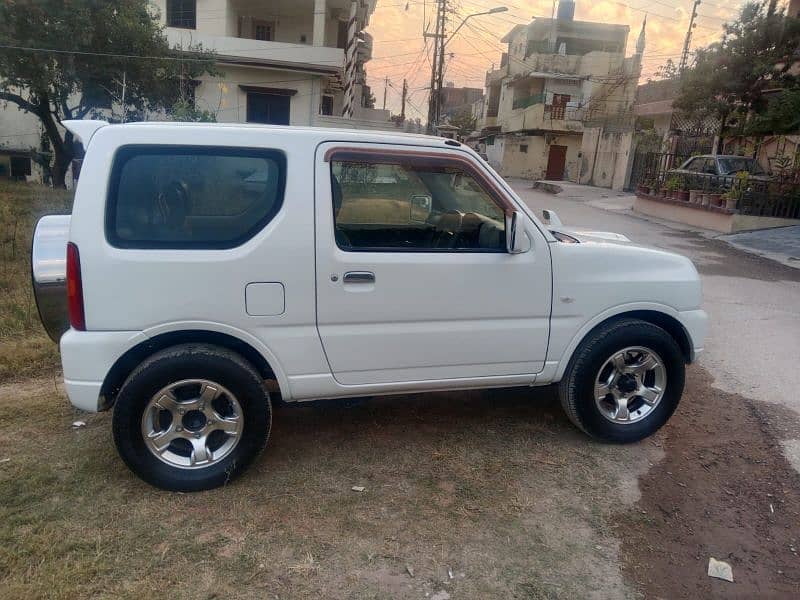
(528,101)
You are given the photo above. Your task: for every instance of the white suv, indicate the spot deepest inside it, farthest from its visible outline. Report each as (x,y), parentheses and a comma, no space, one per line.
(204,261)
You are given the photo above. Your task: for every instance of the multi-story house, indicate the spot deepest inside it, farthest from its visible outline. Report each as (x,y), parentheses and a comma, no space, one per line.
(560,106)
(279,61)
(282,61)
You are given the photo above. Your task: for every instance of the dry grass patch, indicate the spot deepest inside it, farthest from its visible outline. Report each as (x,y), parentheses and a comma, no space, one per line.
(24,347)
(481,494)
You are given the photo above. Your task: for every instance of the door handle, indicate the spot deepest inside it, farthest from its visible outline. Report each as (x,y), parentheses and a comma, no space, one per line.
(359,277)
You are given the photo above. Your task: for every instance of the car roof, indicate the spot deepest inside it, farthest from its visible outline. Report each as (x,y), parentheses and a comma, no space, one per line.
(384,136)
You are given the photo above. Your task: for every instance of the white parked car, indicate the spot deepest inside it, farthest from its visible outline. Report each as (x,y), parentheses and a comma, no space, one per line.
(204,260)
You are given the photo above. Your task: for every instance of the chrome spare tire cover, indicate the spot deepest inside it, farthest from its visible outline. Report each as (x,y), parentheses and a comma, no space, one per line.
(49,273)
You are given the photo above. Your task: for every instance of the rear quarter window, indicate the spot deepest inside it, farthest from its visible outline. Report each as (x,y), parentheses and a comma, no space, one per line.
(192,197)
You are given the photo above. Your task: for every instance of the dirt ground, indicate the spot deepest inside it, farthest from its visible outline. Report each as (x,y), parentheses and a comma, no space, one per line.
(477,494)
(722,490)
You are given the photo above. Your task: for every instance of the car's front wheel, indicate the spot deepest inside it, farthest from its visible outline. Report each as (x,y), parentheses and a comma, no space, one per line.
(624,381)
(191,417)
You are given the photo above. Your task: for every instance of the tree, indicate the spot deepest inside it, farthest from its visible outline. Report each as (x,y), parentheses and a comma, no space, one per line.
(69,60)
(669,70)
(465,123)
(734,78)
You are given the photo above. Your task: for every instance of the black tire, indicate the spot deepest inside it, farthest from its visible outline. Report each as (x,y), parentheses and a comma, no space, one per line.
(576,389)
(191,361)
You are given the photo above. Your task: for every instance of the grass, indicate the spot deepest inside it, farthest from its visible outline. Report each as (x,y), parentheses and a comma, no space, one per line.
(494,487)
(25,349)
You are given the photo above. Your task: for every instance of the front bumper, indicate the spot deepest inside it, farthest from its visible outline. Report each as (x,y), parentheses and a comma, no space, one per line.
(695,322)
(87,357)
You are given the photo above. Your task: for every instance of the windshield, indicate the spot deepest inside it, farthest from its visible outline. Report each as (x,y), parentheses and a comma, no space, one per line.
(729,166)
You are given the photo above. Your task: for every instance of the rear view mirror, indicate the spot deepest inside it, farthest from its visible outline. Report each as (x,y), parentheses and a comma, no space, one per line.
(420,208)
(517,240)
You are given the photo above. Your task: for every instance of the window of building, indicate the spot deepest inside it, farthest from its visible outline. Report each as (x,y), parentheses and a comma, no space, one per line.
(264,30)
(268,105)
(410,207)
(326,106)
(523,148)
(192,197)
(20,167)
(182,13)
(341,34)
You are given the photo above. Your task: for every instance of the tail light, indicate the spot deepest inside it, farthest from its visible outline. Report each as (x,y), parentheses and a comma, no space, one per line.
(77,317)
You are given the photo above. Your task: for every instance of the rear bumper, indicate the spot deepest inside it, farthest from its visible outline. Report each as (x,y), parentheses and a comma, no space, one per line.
(85,394)
(87,357)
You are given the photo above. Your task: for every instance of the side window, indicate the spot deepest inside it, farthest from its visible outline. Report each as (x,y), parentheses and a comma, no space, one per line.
(395,207)
(696,164)
(192,197)
(710,166)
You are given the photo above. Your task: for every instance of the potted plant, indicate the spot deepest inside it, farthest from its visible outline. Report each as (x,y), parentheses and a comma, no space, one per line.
(672,186)
(737,190)
(730,199)
(682,195)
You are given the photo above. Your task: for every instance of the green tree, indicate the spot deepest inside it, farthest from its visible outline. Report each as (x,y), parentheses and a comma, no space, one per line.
(67,60)
(734,78)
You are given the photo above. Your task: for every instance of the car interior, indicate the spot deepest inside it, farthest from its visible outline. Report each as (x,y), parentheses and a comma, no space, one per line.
(438,218)
(175,208)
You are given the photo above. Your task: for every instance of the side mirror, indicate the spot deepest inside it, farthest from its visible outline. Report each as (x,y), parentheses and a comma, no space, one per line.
(517,241)
(420,207)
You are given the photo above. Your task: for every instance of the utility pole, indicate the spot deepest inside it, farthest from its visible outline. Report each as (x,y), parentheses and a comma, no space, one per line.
(124,89)
(688,41)
(385,88)
(403,101)
(440,65)
(438,36)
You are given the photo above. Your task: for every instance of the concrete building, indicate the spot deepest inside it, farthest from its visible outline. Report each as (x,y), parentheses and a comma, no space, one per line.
(281,61)
(456,100)
(560,106)
(654,104)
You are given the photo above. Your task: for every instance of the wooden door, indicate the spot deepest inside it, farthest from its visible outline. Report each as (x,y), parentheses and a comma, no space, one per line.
(556,161)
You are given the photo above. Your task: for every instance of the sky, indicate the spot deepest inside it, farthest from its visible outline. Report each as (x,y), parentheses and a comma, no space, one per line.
(399,51)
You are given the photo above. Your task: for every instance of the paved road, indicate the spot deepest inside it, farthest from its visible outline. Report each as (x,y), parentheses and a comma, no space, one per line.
(753,346)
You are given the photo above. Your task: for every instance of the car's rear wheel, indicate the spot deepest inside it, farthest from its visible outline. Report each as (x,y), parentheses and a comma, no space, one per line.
(191,417)
(624,381)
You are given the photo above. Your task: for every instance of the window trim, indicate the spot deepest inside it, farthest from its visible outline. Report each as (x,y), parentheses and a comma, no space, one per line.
(128,151)
(173,23)
(419,158)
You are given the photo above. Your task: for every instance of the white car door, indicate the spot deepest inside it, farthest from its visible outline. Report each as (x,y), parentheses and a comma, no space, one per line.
(413,279)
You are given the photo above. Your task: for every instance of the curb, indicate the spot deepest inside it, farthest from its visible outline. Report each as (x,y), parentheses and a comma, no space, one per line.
(550,188)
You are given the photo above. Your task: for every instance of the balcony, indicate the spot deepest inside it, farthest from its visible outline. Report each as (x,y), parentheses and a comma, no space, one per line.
(247,52)
(532,113)
(528,101)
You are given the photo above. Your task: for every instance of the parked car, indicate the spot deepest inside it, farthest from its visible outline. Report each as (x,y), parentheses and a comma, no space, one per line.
(202,261)
(719,170)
